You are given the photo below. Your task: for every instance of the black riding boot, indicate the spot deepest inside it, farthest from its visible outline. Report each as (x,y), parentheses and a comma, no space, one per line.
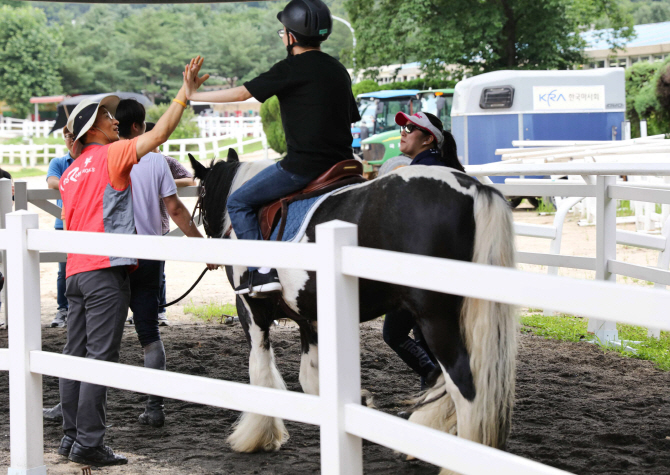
(154,357)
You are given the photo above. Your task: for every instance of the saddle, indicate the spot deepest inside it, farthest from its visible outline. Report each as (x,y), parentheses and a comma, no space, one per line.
(344,173)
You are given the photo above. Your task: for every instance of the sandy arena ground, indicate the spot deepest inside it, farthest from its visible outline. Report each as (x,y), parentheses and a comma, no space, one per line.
(577,408)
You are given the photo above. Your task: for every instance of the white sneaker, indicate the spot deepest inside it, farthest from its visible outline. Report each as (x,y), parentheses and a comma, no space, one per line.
(162,320)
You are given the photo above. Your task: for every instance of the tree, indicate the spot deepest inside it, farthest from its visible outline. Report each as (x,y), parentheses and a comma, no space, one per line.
(648,96)
(272,125)
(29,57)
(187,128)
(480,35)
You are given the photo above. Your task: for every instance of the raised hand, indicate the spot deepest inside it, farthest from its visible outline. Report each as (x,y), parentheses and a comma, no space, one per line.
(191,80)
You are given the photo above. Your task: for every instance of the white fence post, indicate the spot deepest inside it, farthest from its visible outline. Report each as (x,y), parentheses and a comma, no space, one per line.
(5,208)
(339,350)
(605,251)
(20,195)
(25,388)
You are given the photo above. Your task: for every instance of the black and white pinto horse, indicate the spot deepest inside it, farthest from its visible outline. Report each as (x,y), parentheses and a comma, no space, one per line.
(430,211)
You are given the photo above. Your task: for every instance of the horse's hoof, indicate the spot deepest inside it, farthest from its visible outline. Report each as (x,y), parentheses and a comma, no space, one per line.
(367,400)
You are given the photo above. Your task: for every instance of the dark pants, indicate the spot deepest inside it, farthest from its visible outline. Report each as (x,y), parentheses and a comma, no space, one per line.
(98,309)
(271,184)
(60,287)
(162,293)
(61,300)
(414,352)
(144,296)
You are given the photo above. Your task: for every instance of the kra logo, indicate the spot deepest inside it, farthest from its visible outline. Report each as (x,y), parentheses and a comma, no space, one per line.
(88,160)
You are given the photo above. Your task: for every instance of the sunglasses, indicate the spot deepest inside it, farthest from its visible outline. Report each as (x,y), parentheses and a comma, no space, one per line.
(409,128)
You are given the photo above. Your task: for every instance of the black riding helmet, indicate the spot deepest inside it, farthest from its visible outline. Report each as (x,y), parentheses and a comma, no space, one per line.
(307,19)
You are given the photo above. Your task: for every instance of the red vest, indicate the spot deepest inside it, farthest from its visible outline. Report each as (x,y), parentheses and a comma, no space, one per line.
(91,204)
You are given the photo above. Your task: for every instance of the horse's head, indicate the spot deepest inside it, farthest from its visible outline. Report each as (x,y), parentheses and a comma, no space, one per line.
(216,182)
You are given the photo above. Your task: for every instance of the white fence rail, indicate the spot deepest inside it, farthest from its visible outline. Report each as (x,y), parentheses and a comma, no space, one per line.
(230,126)
(339,263)
(218,146)
(10,127)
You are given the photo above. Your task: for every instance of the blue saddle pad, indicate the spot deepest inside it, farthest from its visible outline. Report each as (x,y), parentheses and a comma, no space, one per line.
(299,214)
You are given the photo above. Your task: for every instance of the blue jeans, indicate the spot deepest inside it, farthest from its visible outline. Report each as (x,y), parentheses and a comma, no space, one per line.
(271,184)
(60,287)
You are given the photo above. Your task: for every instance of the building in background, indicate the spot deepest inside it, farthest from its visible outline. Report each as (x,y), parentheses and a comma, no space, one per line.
(651,43)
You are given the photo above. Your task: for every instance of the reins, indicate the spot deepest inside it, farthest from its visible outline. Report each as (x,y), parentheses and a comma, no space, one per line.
(187,292)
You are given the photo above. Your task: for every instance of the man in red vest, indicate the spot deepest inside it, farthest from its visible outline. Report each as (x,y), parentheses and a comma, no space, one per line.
(97,197)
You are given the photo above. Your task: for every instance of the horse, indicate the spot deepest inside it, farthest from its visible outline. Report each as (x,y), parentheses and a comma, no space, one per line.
(429,211)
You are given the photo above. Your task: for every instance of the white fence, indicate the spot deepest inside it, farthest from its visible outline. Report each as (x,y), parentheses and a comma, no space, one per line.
(230,126)
(31,154)
(339,263)
(10,127)
(218,146)
(601,185)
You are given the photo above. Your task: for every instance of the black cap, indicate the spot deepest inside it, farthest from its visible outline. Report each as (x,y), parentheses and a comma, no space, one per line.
(82,118)
(307,18)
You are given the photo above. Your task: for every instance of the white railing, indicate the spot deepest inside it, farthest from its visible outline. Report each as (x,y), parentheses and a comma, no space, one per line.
(211,147)
(230,126)
(605,190)
(10,127)
(339,263)
(30,154)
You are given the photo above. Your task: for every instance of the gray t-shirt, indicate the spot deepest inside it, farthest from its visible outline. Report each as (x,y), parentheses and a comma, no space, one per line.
(151,180)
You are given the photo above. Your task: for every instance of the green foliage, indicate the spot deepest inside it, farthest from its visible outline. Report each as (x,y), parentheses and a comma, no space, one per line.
(483,36)
(571,328)
(369,85)
(29,55)
(187,128)
(272,125)
(648,96)
(648,11)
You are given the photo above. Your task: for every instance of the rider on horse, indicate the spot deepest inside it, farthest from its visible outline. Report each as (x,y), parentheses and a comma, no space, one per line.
(317,109)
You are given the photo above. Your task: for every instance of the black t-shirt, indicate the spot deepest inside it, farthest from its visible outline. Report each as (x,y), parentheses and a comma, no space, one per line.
(317,110)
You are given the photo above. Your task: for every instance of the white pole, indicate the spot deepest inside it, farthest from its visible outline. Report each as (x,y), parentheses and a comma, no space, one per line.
(339,350)
(605,251)
(643,128)
(5,208)
(26,436)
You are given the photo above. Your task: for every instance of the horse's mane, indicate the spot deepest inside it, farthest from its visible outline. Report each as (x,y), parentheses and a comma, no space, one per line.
(218,185)
(223,178)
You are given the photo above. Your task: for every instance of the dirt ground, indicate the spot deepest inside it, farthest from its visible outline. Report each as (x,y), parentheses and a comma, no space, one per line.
(577,408)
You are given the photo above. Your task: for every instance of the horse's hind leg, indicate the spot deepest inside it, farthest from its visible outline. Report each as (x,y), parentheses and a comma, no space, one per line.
(309,359)
(254,432)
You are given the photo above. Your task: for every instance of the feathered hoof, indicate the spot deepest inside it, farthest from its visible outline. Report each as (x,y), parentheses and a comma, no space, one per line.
(255,433)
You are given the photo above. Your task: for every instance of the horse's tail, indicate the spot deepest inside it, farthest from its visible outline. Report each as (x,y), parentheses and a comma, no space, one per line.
(490,328)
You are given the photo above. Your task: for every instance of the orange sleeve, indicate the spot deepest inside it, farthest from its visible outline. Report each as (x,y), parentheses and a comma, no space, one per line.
(121,157)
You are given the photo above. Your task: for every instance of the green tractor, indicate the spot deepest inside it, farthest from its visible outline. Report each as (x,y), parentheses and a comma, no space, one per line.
(378,149)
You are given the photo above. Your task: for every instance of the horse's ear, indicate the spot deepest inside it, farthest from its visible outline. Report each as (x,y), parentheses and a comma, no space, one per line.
(199,170)
(232,156)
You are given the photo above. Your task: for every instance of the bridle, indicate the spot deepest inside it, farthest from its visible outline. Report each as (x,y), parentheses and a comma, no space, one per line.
(199,207)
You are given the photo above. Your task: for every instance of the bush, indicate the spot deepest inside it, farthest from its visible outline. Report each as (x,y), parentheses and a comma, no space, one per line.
(272,125)
(187,128)
(648,97)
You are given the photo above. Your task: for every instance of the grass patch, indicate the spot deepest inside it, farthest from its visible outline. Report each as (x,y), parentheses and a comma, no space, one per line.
(570,328)
(624,209)
(211,311)
(36,141)
(26,172)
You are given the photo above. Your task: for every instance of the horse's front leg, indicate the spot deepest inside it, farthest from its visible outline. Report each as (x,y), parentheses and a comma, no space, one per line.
(254,432)
(309,359)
